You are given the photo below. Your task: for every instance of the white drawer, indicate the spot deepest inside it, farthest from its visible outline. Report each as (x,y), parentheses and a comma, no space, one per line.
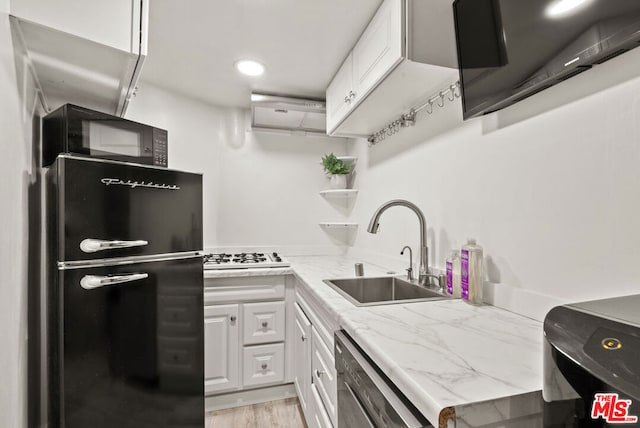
(263,322)
(244,289)
(319,417)
(263,364)
(324,374)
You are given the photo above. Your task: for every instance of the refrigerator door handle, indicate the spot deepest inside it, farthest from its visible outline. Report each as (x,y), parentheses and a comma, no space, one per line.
(91,245)
(89,282)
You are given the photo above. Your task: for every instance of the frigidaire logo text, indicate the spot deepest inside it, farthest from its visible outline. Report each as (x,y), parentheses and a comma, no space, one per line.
(134,184)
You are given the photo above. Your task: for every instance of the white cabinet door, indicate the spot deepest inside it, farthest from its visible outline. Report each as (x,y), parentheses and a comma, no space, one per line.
(379,49)
(319,415)
(302,358)
(324,374)
(340,94)
(222,344)
(263,322)
(263,364)
(111,23)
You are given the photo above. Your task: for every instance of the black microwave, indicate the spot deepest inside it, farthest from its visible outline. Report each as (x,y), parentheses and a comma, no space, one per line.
(81,131)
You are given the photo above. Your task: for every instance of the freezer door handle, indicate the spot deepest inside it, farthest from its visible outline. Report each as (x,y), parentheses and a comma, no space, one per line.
(89,282)
(91,245)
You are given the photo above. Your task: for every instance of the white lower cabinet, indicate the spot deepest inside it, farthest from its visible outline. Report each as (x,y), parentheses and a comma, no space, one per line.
(263,322)
(222,340)
(324,374)
(319,416)
(302,362)
(263,364)
(315,372)
(244,336)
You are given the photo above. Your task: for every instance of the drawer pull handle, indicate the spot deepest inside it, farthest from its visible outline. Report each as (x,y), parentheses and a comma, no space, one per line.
(319,373)
(264,324)
(232,318)
(264,366)
(304,338)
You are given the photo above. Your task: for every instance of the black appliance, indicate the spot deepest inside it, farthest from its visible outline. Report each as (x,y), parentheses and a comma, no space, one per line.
(511,49)
(125,324)
(592,364)
(78,130)
(366,397)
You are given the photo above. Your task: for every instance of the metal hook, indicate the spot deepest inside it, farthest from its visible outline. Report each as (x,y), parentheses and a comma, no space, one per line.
(430,107)
(451,96)
(441,101)
(456,89)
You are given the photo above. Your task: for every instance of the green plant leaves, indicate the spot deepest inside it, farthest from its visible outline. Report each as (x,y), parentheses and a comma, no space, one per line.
(333,165)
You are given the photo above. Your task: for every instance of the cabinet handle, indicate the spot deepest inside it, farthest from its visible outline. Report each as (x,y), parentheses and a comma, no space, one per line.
(264,324)
(304,338)
(319,373)
(233,318)
(347,99)
(352,95)
(264,366)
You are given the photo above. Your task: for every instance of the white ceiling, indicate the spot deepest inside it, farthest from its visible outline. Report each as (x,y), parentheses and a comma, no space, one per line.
(193,45)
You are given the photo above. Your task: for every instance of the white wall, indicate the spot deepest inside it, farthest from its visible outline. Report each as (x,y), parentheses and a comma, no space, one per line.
(18,174)
(260,189)
(550,187)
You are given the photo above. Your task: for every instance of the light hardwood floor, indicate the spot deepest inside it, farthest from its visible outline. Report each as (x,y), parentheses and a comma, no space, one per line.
(277,414)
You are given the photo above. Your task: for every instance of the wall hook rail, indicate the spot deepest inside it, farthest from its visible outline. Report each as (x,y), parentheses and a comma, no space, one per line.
(408,119)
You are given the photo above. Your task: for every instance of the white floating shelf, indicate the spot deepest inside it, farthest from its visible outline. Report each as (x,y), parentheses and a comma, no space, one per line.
(351,160)
(348,159)
(338,225)
(339,193)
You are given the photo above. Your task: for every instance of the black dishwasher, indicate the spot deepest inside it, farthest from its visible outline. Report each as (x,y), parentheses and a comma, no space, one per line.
(366,398)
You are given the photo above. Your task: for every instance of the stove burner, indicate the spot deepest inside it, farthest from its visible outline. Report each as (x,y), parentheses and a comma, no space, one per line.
(230,260)
(250,260)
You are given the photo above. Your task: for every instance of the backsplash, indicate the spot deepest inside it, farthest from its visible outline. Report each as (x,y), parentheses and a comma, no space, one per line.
(548,187)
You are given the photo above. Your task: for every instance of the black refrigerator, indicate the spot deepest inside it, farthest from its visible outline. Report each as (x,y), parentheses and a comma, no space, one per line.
(125,328)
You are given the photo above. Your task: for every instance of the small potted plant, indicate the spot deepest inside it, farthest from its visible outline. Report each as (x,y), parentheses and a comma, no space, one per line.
(337,171)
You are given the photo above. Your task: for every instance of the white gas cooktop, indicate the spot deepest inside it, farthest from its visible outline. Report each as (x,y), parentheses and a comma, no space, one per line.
(247,260)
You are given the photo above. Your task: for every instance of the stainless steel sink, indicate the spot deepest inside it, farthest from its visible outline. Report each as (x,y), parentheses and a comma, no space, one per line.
(365,291)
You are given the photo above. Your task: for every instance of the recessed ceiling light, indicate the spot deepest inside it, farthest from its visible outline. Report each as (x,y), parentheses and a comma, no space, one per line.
(250,68)
(560,7)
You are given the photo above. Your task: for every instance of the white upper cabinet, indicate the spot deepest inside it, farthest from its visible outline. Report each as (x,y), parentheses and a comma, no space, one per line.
(406,52)
(340,94)
(110,23)
(379,48)
(85,52)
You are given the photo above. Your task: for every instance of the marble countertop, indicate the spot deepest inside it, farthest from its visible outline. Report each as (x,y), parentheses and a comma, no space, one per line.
(477,364)
(443,355)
